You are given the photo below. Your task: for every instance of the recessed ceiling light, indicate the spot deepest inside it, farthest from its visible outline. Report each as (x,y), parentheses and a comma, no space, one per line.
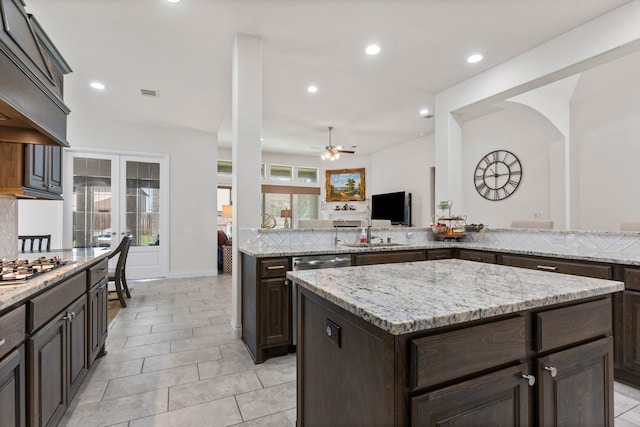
(312,89)
(474,58)
(173,1)
(424,112)
(372,49)
(97,85)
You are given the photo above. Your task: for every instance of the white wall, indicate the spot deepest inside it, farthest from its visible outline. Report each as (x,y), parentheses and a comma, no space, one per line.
(532,139)
(406,167)
(41,217)
(192,187)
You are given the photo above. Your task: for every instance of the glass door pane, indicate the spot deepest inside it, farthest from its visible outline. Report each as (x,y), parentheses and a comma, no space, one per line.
(142,218)
(92,202)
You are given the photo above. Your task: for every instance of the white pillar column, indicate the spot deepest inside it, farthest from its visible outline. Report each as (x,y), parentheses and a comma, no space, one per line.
(246,152)
(448,158)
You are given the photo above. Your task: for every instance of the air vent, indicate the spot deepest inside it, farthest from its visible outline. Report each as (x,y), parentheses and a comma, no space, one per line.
(149,92)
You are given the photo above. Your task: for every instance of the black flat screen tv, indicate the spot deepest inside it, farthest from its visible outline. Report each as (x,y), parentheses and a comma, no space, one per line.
(392,206)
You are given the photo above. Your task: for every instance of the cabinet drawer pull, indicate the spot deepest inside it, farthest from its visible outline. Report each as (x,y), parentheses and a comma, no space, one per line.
(530,379)
(552,370)
(286,282)
(547,267)
(2,341)
(275,267)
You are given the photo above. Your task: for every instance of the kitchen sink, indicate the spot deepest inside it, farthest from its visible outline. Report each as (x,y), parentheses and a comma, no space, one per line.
(371,245)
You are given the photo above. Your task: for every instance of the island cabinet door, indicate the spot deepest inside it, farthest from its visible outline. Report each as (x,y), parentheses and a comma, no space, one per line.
(275,307)
(576,386)
(13,390)
(631,331)
(500,399)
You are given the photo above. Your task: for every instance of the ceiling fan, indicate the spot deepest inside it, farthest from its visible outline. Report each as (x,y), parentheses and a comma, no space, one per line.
(333,151)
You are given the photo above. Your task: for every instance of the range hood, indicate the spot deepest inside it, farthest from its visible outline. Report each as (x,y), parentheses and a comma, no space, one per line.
(31,107)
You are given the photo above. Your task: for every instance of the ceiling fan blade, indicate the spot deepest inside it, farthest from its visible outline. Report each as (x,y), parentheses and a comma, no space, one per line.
(346,151)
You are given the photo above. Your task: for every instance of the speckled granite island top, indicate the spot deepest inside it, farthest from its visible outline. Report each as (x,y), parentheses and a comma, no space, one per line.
(410,297)
(77,260)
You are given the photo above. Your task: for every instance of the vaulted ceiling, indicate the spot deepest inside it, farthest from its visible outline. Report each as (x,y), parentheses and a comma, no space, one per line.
(183,51)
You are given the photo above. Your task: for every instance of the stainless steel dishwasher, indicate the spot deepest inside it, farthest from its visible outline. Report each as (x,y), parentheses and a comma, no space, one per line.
(312,262)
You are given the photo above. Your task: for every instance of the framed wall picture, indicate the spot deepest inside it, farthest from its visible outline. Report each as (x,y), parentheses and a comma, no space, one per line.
(345,185)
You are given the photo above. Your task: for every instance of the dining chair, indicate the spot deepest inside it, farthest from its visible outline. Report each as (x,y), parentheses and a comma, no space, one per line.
(118,275)
(33,239)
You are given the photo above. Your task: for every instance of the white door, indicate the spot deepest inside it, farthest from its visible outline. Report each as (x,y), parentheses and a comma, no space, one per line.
(108,196)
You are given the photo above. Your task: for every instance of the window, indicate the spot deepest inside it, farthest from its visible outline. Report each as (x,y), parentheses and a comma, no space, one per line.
(224,167)
(300,202)
(307,174)
(282,173)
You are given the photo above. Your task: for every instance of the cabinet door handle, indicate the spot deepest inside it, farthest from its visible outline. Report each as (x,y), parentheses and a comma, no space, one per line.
(530,379)
(547,267)
(286,282)
(70,316)
(2,341)
(276,267)
(552,370)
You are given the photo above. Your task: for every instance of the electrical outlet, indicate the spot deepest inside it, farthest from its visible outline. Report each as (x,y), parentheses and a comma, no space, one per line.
(538,214)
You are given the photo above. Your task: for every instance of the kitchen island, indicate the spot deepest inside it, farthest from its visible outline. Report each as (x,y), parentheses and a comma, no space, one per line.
(451,342)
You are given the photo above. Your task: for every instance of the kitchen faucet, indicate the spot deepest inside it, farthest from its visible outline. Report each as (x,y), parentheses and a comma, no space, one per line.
(335,226)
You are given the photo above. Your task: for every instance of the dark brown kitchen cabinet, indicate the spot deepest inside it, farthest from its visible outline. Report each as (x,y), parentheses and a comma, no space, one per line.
(631,332)
(77,345)
(275,306)
(57,364)
(575,386)
(577,268)
(387,257)
(47,365)
(435,254)
(497,399)
(98,324)
(512,370)
(43,168)
(479,256)
(30,170)
(13,389)
(266,306)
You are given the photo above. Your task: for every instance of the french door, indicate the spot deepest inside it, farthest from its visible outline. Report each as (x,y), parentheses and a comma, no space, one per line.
(108,196)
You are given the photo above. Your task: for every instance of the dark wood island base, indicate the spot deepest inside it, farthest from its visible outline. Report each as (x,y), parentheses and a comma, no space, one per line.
(546,366)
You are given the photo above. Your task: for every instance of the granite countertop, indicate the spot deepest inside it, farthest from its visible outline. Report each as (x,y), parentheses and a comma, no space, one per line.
(416,296)
(77,260)
(557,251)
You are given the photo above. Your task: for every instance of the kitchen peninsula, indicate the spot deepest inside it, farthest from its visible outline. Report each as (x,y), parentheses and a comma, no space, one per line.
(421,342)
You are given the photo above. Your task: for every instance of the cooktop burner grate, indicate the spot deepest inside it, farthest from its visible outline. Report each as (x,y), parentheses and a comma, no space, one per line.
(20,270)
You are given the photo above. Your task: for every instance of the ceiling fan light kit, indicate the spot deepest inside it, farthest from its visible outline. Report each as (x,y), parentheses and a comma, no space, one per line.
(333,151)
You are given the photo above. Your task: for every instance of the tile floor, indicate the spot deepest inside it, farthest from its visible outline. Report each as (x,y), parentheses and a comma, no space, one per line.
(173,361)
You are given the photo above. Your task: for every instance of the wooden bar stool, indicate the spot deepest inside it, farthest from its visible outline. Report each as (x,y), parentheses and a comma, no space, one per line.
(38,239)
(118,275)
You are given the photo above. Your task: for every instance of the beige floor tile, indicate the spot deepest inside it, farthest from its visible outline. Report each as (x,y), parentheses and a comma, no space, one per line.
(139,352)
(229,365)
(267,401)
(630,418)
(205,314)
(113,344)
(105,370)
(131,331)
(114,411)
(202,342)
(627,390)
(218,328)
(222,412)
(172,326)
(276,371)
(154,338)
(281,419)
(154,380)
(182,358)
(181,396)
(91,391)
(121,322)
(233,349)
(622,403)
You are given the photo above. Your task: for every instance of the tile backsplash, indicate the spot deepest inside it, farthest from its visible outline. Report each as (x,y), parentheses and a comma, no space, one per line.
(8,227)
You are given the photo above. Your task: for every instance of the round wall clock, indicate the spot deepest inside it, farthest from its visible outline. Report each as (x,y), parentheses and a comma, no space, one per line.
(498,175)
